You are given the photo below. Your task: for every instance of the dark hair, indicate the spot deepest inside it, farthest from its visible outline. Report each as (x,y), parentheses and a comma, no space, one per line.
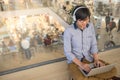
(82,13)
(112,19)
(111,14)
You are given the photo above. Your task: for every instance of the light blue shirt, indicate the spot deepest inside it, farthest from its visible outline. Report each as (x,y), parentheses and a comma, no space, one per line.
(80,43)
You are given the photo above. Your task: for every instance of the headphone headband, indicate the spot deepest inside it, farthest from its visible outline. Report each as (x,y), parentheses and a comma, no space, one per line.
(74,18)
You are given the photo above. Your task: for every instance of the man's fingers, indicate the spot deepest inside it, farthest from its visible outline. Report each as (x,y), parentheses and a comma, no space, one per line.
(99,64)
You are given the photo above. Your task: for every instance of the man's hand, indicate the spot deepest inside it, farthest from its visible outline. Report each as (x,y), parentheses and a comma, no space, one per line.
(85,67)
(98,63)
(81,65)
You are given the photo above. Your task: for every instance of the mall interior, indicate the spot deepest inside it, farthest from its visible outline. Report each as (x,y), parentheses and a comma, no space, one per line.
(42,24)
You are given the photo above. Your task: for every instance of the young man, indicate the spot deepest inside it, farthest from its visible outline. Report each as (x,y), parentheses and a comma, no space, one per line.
(80,43)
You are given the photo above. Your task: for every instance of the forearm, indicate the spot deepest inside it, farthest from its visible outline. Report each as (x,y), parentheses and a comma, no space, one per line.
(77,62)
(81,65)
(97,62)
(95,56)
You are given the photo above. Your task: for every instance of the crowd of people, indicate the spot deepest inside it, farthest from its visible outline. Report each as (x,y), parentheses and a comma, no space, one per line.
(44,31)
(111,24)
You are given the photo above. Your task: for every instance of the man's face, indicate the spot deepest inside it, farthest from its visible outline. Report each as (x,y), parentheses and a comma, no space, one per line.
(82,23)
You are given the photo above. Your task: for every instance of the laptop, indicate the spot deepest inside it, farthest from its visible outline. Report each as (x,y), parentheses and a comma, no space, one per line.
(98,70)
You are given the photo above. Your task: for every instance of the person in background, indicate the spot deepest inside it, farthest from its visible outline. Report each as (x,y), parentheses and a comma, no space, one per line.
(118,25)
(25,44)
(107,20)
(110,27)
(112,24)
(4,47)
(47,40)
(2,5)
(111,16)
(80,45)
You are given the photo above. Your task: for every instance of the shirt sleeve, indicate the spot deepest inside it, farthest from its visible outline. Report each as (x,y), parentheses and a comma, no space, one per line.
(67,45)
(94,48)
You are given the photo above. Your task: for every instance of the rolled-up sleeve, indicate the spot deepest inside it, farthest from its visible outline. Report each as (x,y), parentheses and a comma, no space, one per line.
(67,45)
(94,48)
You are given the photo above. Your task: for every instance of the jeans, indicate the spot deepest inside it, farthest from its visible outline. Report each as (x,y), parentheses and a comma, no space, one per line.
(27,53)
(77,75)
